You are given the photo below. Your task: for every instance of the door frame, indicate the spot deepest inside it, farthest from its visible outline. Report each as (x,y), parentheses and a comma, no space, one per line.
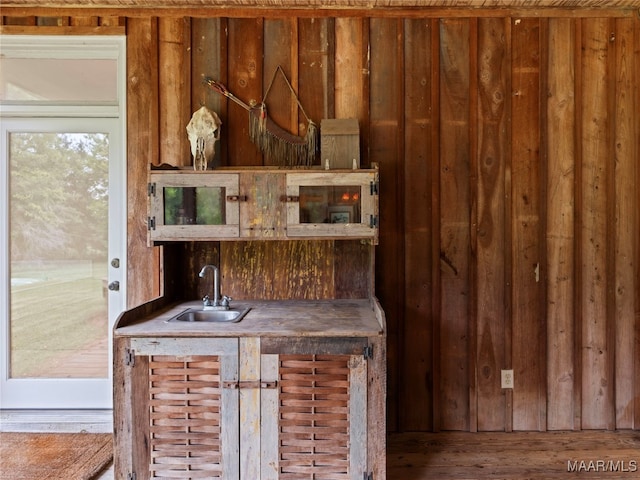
(62,393)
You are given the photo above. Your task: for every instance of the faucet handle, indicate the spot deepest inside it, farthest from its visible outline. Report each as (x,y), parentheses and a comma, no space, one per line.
(225,301)
(207,301)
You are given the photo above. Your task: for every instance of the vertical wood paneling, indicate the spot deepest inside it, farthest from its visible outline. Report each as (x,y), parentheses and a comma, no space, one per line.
(490,247)
(558,272)
(385,131)
(188,260)
(508,151)
(350,68)
(316,68)
(597,385)
(174,96)
(455,224)
(244,80)
(417,365)
(626,225)
(280,49)
(528,342)
(142,150)
(207,38)
(352,269)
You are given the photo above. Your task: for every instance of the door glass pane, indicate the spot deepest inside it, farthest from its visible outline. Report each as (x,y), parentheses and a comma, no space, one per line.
(58,252)
(58,80)
(330,204)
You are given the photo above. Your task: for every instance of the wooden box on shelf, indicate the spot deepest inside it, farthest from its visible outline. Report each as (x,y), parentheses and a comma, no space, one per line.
(340,143)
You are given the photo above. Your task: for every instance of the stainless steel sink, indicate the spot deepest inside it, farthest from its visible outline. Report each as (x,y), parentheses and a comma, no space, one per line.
(198,315)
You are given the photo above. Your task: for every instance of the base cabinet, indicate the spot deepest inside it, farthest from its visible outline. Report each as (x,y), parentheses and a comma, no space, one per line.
(242,408)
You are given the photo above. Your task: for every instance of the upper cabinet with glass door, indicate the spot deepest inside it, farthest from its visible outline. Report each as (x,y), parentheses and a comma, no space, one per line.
(335,204)
(192,206)
(263,204)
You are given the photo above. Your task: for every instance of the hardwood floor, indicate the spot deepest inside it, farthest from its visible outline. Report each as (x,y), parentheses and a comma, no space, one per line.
(514,456)
(510,456)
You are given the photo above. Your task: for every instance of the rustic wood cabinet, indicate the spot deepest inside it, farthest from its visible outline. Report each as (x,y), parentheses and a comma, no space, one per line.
(188,206)
(261,407)
(185,415)
(259,203)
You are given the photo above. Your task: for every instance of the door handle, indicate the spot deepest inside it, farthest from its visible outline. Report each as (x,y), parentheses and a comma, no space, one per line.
(114,286)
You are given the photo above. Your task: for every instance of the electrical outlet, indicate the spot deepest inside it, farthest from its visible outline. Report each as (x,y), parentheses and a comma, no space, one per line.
(507,378)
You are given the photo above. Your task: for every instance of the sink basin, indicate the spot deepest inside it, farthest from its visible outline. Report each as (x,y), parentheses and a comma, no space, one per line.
(199,315)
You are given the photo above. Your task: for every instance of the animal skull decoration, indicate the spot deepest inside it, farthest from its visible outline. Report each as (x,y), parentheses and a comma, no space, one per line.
(203,131)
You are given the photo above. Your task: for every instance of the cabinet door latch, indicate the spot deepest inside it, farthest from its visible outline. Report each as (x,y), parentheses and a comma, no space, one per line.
(235,385)
(237,198)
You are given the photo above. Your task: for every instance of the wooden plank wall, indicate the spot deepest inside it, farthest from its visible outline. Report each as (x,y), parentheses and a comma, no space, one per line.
(509,151)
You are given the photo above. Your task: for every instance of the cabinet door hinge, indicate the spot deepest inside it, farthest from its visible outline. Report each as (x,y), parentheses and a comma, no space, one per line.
(367,476)
(373,221)
(151,189)
(131,476)
(130,358)
(375,187)
(151,223)
(368,352)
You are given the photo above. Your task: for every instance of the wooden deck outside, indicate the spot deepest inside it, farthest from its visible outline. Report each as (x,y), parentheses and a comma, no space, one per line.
(514,456)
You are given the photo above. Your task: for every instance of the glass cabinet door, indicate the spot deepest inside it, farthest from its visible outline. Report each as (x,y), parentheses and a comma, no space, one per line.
(332,204)
(193,205)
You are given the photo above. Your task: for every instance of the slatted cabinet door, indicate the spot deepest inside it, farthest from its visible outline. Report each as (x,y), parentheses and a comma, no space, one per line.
(314,423)
(193,428)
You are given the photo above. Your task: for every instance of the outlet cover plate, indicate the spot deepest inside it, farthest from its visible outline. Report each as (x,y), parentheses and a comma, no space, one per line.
(507,378)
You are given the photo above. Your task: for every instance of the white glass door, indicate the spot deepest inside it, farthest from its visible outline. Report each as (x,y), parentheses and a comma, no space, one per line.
(64,251)
(62,218)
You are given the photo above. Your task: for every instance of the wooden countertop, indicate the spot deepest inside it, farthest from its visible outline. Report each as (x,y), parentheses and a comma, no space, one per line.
(317,318)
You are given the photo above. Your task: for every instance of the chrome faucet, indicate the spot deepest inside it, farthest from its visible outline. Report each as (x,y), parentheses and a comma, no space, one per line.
(219,302)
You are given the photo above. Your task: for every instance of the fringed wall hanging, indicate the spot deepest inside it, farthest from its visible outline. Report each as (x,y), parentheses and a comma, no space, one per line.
(280,146)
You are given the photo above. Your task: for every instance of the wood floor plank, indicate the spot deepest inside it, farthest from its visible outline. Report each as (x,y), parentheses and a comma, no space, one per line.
(514,456)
